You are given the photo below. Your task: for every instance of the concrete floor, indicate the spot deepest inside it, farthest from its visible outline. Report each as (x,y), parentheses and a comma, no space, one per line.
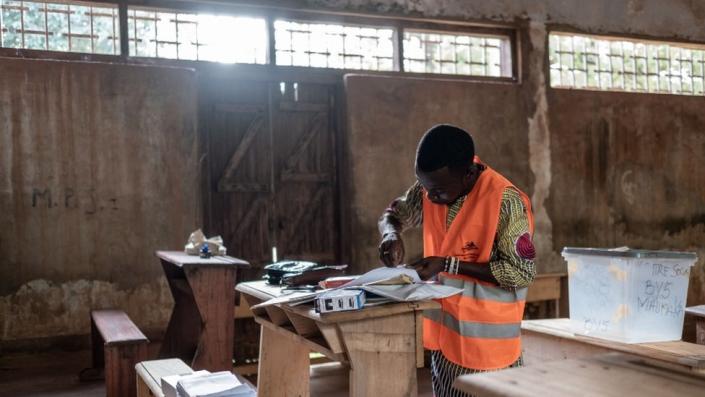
(54,374)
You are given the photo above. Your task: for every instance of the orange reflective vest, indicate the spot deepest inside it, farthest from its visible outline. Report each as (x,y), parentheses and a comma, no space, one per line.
(480,327)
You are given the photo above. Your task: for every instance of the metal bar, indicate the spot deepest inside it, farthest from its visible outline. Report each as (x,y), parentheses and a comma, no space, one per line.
(22,23)
(46,27)
(124,33)
(90,16)
(271,41)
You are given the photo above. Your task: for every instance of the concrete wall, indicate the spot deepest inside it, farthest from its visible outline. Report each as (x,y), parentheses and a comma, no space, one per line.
(97,170)
(602,169)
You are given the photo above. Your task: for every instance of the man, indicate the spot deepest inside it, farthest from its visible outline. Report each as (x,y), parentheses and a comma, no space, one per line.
(477,232)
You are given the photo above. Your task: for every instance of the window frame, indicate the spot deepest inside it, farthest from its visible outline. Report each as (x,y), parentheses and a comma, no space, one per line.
(271,14)
(557,29)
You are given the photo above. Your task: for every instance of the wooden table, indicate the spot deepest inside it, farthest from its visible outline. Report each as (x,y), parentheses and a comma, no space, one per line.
(200,329)
(382,345)
(610,375)
(548,340)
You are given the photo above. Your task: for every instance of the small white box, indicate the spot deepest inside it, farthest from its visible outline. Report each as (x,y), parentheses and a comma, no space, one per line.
(340,300)
(631,296)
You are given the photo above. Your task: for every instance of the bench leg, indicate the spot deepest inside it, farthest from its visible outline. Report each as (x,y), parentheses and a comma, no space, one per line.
(97,347)
(120,376)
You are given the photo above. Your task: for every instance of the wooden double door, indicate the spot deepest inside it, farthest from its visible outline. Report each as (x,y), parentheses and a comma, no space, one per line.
(270,169)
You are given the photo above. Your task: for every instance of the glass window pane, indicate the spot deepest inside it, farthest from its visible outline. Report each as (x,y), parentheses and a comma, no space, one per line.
(333,46)
(451,53)
(65,26)
(624,65)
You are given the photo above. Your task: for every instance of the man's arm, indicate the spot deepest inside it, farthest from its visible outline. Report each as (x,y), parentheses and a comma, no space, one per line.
(403,213)
(513,263)
(512,266)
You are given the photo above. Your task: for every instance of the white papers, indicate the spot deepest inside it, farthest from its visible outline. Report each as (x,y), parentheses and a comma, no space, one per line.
(206,384)
(412,292)
(169,382)
(386,275)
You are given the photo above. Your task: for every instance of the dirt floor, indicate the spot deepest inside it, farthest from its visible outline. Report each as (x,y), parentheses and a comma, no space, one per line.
(55,374)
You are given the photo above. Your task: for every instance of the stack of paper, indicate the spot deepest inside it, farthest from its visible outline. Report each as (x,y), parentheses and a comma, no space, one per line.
(206,384)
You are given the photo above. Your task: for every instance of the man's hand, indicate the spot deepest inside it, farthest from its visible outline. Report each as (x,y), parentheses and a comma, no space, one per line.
(391,250)
(429,266)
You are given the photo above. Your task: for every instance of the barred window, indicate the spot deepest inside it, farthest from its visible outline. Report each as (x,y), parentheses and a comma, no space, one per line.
(600,63)
(334,46)
(65,26)
(203,37)
(455,53)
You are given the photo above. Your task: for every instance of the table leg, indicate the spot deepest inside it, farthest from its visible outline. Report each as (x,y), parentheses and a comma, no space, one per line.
(283,366)
(382,354)
(182,333)
(214,292)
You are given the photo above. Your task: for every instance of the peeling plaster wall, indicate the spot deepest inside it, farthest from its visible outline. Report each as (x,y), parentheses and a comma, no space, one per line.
(97,170)
(602,169)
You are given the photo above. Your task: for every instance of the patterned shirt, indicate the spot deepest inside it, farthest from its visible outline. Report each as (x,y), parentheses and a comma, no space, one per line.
(512,255)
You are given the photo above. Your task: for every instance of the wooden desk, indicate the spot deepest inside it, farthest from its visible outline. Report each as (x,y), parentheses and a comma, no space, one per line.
(610,375)
(548,340)
(382,345)
(200,329)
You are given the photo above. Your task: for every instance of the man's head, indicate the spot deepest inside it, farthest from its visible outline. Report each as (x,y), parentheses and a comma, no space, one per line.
(444,163)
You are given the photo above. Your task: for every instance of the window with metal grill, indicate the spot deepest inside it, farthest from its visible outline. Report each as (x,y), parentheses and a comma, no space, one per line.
(619,64)
(456,53)
(60,26)
(197,36)
(336,46)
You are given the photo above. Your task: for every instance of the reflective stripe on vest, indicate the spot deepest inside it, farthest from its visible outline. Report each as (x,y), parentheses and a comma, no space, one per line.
(479,328)
(474,329)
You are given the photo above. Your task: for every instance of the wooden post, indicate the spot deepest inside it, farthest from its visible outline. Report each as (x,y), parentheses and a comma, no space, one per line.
(120,362)
(382,353)
(275,378)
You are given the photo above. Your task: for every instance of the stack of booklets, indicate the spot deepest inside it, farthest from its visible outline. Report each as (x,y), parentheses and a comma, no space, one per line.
(206,384)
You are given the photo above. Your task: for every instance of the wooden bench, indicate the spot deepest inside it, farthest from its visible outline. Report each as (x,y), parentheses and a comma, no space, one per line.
(150,374)
(117,345)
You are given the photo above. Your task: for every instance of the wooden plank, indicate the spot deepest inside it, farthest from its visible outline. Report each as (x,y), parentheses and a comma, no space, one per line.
(152,372)
(115,327)
(180,258)
(317,344)
(418,319)
(331,334)
(290,106)
(378,348)
(678,352)
(277,316)
(545,287)
(283,366)
(242,310)
(120,361)
(240,151)
(699,313)
(215,298)
(304,326)
(605,376)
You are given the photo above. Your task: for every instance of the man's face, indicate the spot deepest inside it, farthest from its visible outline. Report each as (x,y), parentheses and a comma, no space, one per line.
(443,185)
